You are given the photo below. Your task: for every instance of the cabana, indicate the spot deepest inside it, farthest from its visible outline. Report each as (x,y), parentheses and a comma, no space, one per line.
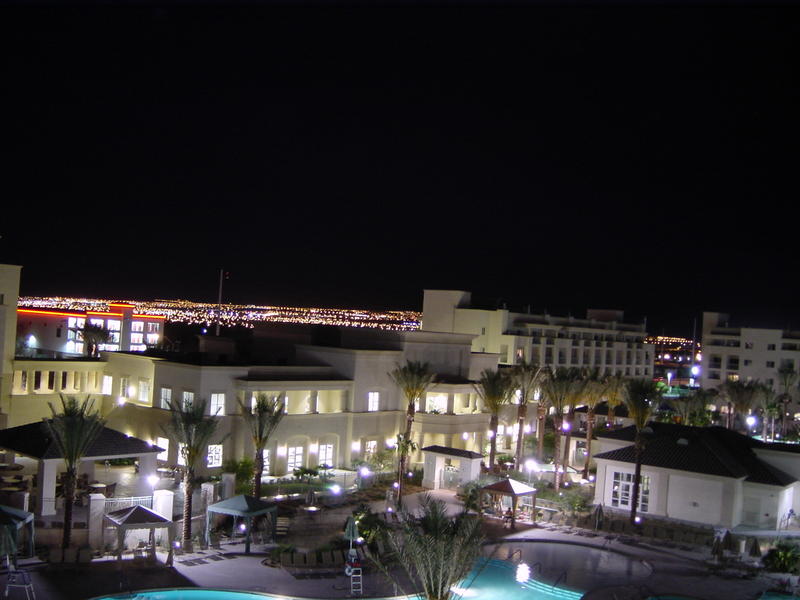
(245,507)
(34,441)
(15,519)
(139,517)
(514,489)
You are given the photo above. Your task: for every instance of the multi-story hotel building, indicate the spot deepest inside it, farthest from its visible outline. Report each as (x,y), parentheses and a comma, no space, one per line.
(602,340)
(59,332)
(732,352)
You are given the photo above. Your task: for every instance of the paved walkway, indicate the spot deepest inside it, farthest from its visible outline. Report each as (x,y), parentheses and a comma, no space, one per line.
(665,571)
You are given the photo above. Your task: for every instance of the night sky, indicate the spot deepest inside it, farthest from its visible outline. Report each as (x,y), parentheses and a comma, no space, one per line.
(611,156)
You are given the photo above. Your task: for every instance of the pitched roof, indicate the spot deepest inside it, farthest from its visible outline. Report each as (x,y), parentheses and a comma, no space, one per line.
(510,487)
(457,452)
(243,505)
(601,409)
(34,440)
(709,450)
(136,515)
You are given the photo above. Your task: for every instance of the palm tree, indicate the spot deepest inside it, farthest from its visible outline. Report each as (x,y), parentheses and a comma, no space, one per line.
(93,336)
(495,389)
(769,409)
(542,406)
(575,396)
(413,379)
(435,550)
(557,388)
(593,393)
(641,399)
(73,430)
(615,390)
(526,378)
(740,396)
(261,418)
(192,428)
(788,379)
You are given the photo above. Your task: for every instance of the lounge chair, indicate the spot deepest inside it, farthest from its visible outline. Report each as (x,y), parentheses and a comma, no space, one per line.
(286,559)
(311,559)
(326,558)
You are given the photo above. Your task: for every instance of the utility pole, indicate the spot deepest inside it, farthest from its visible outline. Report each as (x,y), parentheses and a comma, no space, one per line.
(219,301)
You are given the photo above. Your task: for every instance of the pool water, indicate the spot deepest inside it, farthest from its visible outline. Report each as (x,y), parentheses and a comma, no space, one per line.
(549,571)
(495,580)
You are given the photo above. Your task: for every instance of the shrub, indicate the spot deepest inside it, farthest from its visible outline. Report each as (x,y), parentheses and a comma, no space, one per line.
(783,558)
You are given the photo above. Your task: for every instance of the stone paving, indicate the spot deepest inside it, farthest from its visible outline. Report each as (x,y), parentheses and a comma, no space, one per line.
(673,571)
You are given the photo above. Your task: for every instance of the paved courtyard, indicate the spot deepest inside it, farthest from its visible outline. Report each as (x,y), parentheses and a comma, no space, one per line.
(667,572)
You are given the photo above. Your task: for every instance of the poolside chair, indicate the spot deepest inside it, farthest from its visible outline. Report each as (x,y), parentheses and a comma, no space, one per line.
(326,558)
(20,578)
(311,559)
(338,558)
(286,559)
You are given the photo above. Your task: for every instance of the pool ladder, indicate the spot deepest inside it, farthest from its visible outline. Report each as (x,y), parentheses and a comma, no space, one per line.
(562,577)
(518,554)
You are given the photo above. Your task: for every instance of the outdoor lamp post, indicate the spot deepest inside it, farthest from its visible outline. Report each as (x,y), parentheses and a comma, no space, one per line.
(751,421)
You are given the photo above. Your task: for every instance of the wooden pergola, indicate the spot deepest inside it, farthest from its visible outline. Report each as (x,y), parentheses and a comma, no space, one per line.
(513,489)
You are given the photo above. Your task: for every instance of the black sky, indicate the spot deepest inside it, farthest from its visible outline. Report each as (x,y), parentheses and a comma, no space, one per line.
(635,157)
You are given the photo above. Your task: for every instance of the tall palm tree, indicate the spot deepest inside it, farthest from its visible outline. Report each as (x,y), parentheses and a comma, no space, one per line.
(192,428)
(788,379)
(495,388)
(93,336)
(557,387)
(73,430)
(434,549)
(575,397)
(542,407)
(740,396)
(261,418)
(615,390)
(593,393)
(414,378)
(769,409)
(526,378)
(641,399)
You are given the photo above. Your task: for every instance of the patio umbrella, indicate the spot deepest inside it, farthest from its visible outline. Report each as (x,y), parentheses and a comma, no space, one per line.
(755,549)
(8,547)
(598,516)
(351,532)
(727,541)
(716,549)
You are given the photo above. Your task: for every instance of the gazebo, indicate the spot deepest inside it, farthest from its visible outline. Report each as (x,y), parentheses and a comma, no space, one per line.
(514,489)
(34,440)
(15,519)
(242,506)
(139,517)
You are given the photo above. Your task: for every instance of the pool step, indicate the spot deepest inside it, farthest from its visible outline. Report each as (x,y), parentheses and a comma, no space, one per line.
(545,589)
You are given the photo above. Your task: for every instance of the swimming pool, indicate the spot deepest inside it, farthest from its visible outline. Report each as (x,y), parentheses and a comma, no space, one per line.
(509,571)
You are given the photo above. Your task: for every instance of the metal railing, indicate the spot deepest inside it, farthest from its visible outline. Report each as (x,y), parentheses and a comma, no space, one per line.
(113,504)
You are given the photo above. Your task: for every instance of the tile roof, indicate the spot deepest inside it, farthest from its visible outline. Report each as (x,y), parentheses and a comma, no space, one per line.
(457,452)
(708,450)
(34,440)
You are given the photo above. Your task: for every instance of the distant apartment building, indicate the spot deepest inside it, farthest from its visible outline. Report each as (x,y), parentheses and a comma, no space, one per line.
(602,340)
(732,352)
(57,332)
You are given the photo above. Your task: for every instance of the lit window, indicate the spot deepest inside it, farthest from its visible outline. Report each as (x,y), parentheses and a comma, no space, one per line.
(137,338)
(623,490)
(326,454)
(370,448)
(124,384)
(218,405)
(97,322)
(144,390)
(137,326)
(113,325)
(188,399)
(265,455)
(295,458)
(107,381)
(152,339)
(166,397)
(152,328)
(373,401)
(163,443)
(214,458)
